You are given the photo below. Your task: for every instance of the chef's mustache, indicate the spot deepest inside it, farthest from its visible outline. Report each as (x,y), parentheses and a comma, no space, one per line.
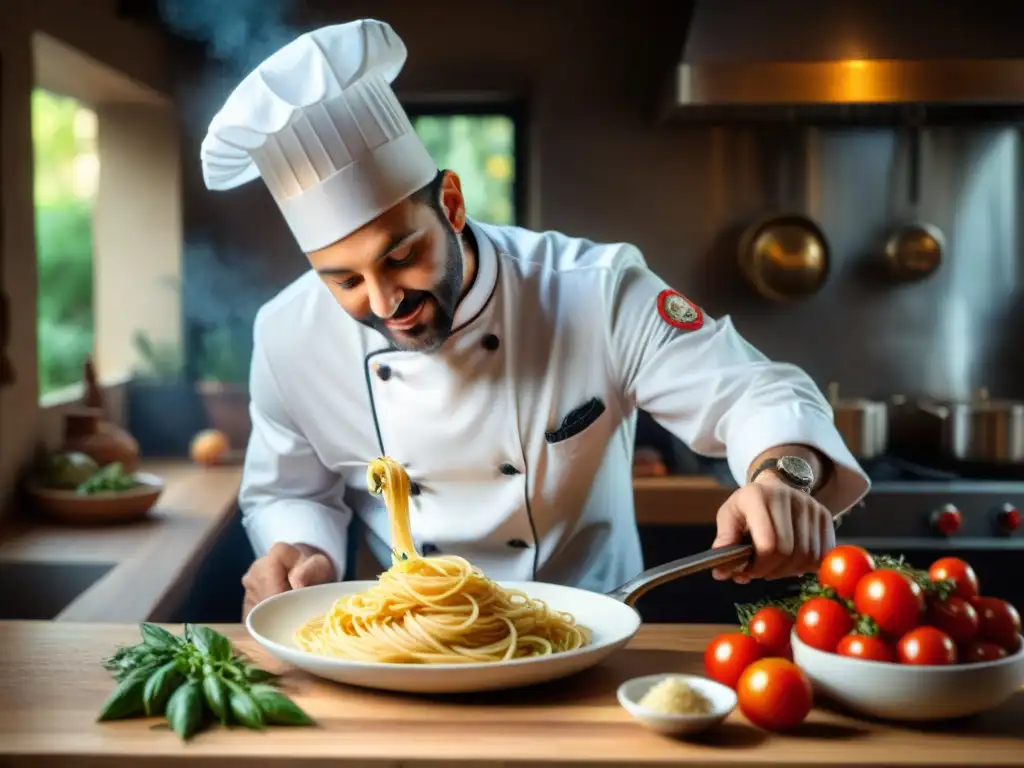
(409,302)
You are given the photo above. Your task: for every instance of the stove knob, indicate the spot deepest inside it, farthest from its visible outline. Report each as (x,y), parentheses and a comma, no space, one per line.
(1008,520)
(946,520)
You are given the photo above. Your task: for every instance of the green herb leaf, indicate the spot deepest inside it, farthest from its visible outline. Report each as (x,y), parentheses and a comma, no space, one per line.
(185,709)
(745,612)
(211,643)
(159,687)
(126,699)
(865,625)
(216,697)
(244,707)
(278,708)
(254,674)
(131,658)
(159,638)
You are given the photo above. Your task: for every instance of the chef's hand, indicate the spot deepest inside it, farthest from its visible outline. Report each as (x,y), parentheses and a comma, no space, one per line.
(790,531)
(284,567)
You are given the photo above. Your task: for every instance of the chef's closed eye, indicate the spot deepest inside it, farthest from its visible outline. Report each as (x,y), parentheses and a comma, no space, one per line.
(577,420)
(403,258)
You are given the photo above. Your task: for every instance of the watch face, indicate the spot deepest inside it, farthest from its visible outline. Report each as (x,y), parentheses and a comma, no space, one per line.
(797,468)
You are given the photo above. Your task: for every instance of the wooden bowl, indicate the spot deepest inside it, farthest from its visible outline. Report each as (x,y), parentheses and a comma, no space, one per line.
(99,508)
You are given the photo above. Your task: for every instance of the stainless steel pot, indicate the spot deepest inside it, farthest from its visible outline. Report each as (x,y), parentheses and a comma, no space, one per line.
(863,423)
(980,429)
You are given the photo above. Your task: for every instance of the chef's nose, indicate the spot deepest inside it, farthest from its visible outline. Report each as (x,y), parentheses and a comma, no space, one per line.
(384,298)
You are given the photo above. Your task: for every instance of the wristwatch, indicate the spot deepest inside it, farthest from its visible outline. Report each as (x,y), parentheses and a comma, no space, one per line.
(791,469)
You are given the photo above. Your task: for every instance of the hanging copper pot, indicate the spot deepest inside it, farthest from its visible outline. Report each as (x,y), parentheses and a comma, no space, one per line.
(785,255)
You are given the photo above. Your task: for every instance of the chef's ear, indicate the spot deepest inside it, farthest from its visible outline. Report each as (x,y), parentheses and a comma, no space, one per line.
(452,202)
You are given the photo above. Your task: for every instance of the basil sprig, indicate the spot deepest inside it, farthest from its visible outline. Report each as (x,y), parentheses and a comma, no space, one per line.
(194,680)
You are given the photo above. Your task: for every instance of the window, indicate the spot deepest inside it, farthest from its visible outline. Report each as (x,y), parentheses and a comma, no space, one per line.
(108,220)
(66,180)
(483,147)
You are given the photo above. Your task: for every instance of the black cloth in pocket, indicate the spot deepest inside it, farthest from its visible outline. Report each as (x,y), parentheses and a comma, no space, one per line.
(578,419)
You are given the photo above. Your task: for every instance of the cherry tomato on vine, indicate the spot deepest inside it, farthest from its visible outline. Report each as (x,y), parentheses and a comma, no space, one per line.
(956,617)
(728,655)
(867,647)
(980,651)
(926,646)
(774,694)
(822,622)
(998,622)
(895,602)
(771,627)
(958,571)
(843,567)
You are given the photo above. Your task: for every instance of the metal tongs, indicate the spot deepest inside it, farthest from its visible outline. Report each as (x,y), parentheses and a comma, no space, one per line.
(734,554)
(647,580)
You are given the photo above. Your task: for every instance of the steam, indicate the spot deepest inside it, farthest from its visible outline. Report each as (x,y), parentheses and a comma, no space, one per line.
(239,33)
(222,293)
(222,289)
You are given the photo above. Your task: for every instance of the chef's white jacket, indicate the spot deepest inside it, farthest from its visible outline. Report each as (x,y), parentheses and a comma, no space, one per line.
(518,433)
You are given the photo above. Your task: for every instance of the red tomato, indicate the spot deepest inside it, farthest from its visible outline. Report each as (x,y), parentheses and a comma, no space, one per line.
(999,622)
(843,567)
(956,617)
(865,647)
(774,694)
(728,655)
(895,602)
(822,623)
(771,627)
(980,651)
(958,571)
(928,646)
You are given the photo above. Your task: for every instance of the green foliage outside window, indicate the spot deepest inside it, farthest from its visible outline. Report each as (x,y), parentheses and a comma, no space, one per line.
(64,142)
(481,150)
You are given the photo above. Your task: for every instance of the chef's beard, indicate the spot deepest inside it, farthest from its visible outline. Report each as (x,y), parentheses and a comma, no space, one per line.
(427,337)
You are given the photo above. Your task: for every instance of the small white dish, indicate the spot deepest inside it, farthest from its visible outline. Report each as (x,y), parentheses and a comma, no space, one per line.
(722,698)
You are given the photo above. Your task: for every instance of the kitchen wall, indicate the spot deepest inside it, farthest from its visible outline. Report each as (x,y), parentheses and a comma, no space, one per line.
(602,165)
(92,28)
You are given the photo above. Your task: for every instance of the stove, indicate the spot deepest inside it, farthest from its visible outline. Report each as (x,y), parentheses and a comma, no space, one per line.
(915,506)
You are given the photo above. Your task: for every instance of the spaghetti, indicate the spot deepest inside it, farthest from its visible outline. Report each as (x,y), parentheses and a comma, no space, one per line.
(434,610)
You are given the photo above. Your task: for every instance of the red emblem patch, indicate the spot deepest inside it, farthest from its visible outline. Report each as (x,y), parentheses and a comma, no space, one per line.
(679,312)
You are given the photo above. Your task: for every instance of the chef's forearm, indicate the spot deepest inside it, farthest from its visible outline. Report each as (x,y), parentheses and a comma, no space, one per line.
(820,465)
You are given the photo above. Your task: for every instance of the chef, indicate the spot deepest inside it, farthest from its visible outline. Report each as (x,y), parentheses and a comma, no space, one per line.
(502,367)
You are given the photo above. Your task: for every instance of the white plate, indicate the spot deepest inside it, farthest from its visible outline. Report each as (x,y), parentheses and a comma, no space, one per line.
(612,624)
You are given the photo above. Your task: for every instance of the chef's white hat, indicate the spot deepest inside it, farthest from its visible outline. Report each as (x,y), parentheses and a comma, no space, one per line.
(319,122)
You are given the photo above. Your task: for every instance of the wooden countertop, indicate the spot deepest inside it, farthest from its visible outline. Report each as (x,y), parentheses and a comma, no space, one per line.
(52,686)
(151,559)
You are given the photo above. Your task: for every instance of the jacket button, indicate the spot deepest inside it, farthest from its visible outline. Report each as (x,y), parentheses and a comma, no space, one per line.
(518,544)
(430,549)
(414,489)
(383,372)
(508,469)
(490,342)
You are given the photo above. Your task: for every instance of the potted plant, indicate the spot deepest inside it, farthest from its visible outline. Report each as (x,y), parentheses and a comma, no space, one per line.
(223,371)
(163,411)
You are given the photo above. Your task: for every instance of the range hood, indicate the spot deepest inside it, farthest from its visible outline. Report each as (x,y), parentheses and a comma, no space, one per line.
(849,59)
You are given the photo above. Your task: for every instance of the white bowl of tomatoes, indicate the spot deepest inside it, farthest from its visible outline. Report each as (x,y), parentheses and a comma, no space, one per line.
(888,641)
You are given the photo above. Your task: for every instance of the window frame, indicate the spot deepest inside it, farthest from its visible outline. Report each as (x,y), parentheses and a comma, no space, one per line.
(514,109)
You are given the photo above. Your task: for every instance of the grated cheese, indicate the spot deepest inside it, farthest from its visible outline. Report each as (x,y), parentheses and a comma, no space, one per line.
(672,696)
